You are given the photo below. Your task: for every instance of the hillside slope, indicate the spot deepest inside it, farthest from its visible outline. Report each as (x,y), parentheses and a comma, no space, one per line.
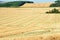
(36,5)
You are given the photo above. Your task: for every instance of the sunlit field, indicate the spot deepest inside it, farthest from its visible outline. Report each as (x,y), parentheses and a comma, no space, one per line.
(36,5)
(29,24)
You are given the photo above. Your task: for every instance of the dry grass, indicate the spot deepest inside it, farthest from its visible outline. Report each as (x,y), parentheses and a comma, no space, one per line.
(36,5)
(27,23)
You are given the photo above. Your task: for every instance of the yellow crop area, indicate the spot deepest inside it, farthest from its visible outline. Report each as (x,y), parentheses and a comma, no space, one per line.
(36,5)
(29,24)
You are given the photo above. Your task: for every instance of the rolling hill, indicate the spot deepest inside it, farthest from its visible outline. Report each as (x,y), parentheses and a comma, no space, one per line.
(37,5)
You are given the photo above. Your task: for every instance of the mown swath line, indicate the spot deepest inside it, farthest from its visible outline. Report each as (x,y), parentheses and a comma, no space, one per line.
(12,32)
(31,33)
(30,21)
(35,33)
(8,19)
(15,20)
(24,19)
(23,34)
(7,31)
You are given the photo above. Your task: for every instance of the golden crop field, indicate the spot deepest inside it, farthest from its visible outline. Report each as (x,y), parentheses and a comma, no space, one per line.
(36,5)
(29,24)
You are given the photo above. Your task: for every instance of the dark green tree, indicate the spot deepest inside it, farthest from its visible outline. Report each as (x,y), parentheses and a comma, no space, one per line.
(56,4)
(57,1)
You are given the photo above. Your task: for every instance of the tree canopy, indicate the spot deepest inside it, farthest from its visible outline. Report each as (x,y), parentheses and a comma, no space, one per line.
(56,4)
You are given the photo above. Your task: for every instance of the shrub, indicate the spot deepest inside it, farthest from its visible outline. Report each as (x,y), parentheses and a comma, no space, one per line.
(54,11)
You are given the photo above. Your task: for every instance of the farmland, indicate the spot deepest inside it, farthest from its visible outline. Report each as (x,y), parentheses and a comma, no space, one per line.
(28,24)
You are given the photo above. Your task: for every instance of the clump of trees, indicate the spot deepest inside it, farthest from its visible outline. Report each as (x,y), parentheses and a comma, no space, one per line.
(54,11)
(56,4)
(14,4)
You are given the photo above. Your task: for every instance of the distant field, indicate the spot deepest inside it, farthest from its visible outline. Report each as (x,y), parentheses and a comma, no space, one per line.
(36,5)
(28,24)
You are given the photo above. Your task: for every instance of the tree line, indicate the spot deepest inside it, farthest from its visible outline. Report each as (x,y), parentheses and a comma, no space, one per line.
(14,3)
(56,4)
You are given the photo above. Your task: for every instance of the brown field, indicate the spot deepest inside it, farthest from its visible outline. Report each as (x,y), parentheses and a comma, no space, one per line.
(29,24)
